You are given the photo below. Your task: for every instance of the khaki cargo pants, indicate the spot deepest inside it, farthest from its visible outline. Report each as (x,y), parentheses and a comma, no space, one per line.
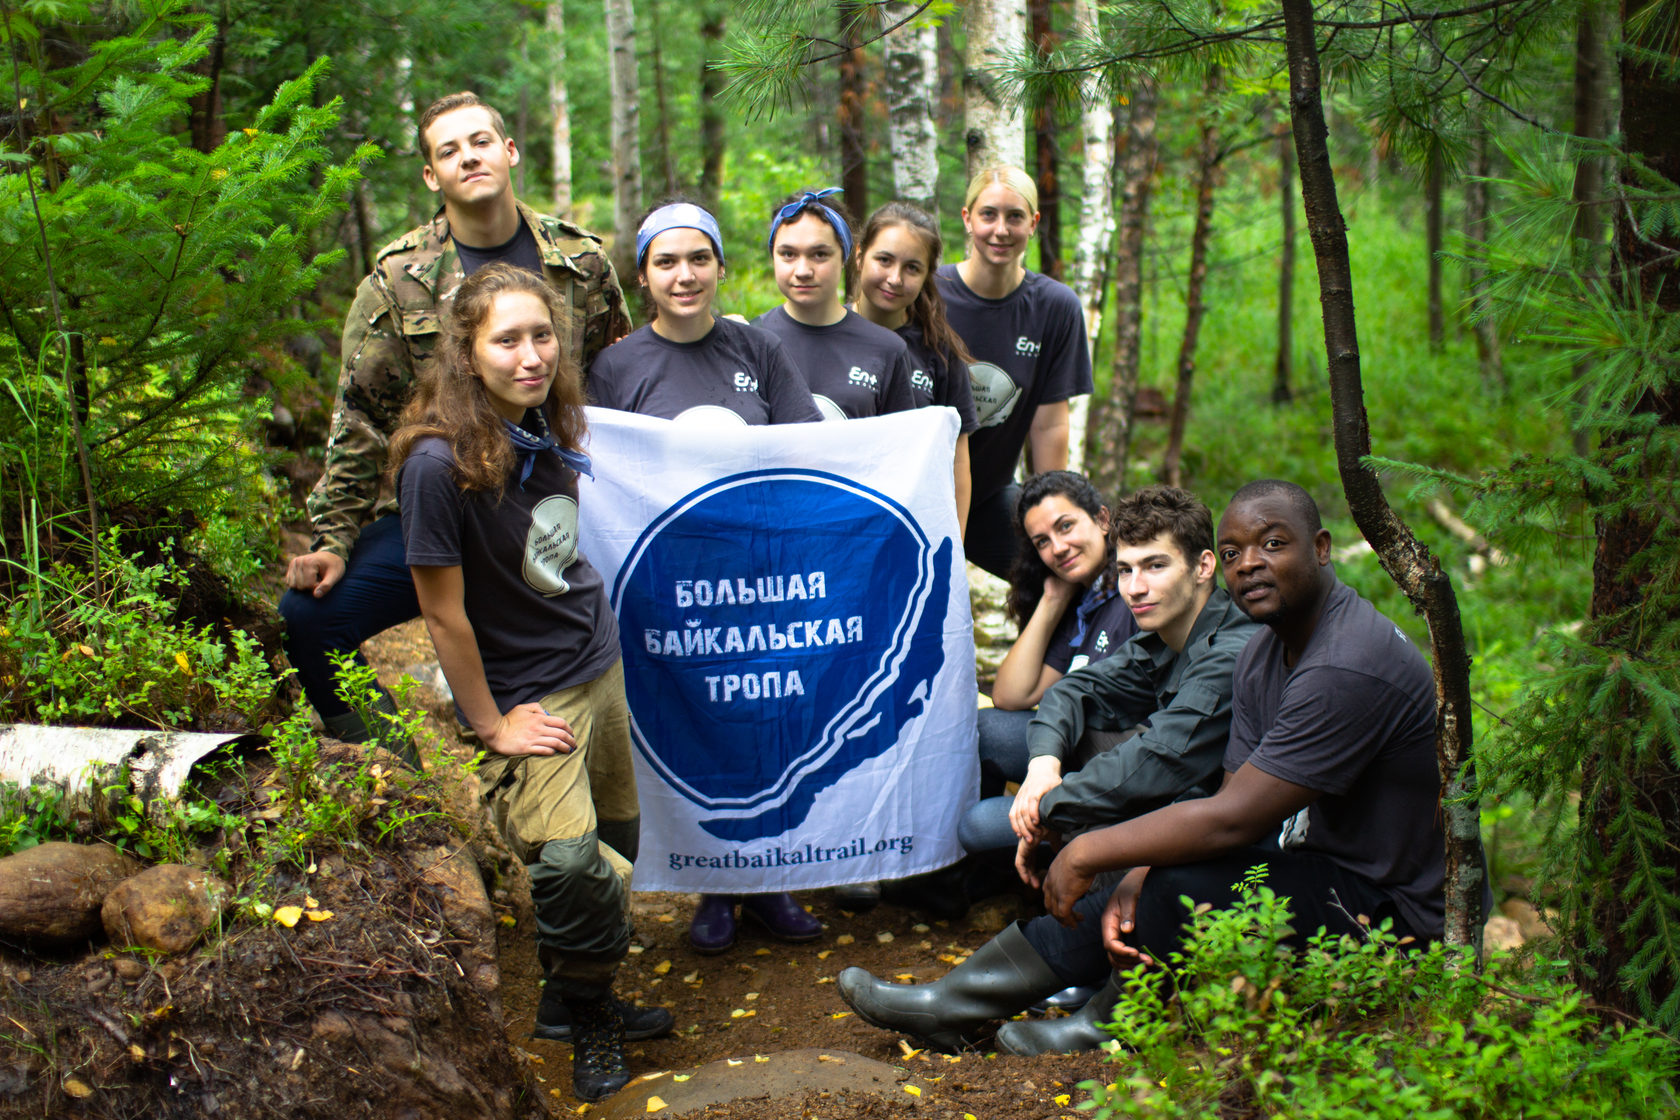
(574,821)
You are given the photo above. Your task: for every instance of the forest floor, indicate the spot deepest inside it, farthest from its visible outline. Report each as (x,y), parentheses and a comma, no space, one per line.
(766,999)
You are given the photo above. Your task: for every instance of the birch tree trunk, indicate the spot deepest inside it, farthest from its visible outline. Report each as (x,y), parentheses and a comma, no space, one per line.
(1195,307)
(994,130)
(1114,416)
(911,55)
(626,133)
(1405,559)
(560,113)
(1089,276)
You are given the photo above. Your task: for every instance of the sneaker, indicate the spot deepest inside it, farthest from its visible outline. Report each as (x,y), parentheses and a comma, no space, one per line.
(554,1021)
(598,1066)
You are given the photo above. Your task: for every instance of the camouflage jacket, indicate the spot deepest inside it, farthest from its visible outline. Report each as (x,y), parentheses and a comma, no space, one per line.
(393,328)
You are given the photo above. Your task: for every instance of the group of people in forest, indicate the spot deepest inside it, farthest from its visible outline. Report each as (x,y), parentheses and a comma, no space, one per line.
(1171,732)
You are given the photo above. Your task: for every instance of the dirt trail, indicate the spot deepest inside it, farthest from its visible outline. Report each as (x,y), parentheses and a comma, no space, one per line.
(765,997)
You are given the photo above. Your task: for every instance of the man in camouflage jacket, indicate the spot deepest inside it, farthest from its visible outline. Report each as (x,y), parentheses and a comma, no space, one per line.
(354,583)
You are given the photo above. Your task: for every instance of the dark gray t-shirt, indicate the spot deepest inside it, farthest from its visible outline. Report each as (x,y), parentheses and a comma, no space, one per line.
(1354,720)
(537,607)
(854,368)
(1029,349)
(935,381)
(519,250)
(737,373)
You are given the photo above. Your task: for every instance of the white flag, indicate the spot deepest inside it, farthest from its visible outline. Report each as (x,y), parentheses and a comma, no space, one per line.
(798,650)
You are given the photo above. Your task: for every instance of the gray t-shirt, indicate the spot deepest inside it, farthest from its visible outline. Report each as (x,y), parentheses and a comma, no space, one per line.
(854,368)
(1354,720)
(737,373)
(537,607)
(936,381)
(1029,349)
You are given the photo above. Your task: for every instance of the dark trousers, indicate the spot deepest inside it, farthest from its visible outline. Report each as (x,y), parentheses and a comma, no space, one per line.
(990,542)
(1322,893)
(376,593)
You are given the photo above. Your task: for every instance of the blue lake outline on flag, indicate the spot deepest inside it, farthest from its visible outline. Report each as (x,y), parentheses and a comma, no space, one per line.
(894,690)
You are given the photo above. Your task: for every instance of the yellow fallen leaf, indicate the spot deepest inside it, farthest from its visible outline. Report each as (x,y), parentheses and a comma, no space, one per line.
(761,952)
(920,927)
(318,915)
(655,1104)
(968,1116)
(681,1076)
(844,939)
(692,978)
(508,920)
(760,1058)
(87,650)
(662,967)
(825,979)
(77,1089)
(288,915)
(884,936)
(733,1061)
(825,954)
(1062,1098)
(904,977)
(905,1049)
(183,663)
(912,1090)
(664,917)
(752,996)
(839,1014)
(738,1013)
(311,868)
(311,903)
(135,1052)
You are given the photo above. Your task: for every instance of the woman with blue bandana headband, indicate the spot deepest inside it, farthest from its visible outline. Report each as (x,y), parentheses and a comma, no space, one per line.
(691,366)
(486,467)
(854,367)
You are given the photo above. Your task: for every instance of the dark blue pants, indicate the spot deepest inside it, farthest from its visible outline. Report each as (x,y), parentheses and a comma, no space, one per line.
(376,593)
(1313,883)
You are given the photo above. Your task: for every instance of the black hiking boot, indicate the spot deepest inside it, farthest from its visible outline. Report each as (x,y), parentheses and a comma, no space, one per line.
(554,1022)
(598,1067)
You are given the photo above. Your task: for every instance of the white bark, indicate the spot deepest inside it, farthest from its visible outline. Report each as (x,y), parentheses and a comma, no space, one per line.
(994,129)
(560,109)
(626,127)
(912,64)
(1096,220)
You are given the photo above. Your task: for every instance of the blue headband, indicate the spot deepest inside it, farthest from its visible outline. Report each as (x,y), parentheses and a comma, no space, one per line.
(678,215)
(812,200)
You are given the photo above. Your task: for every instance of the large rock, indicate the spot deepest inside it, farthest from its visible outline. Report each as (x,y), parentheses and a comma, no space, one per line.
(166,908)
(453,878)
(51,894)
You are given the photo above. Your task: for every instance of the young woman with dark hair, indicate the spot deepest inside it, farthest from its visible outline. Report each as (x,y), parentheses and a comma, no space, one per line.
(486,466)
(854,368)
(895,260)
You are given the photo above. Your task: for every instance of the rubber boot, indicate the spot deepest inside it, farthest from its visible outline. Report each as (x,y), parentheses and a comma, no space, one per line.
(1003,977)
(1080,1031)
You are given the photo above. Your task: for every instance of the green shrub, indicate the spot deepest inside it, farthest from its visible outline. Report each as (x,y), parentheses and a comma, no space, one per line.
(1355,1029)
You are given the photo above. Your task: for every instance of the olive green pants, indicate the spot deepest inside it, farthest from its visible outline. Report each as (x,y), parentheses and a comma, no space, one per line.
(573,819)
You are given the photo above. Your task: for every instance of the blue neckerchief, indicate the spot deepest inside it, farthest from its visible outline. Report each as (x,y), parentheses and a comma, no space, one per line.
(1095,596)
(526,447)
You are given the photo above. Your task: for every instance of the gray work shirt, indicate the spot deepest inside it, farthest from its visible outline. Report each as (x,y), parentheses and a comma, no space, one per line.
(1185,698)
